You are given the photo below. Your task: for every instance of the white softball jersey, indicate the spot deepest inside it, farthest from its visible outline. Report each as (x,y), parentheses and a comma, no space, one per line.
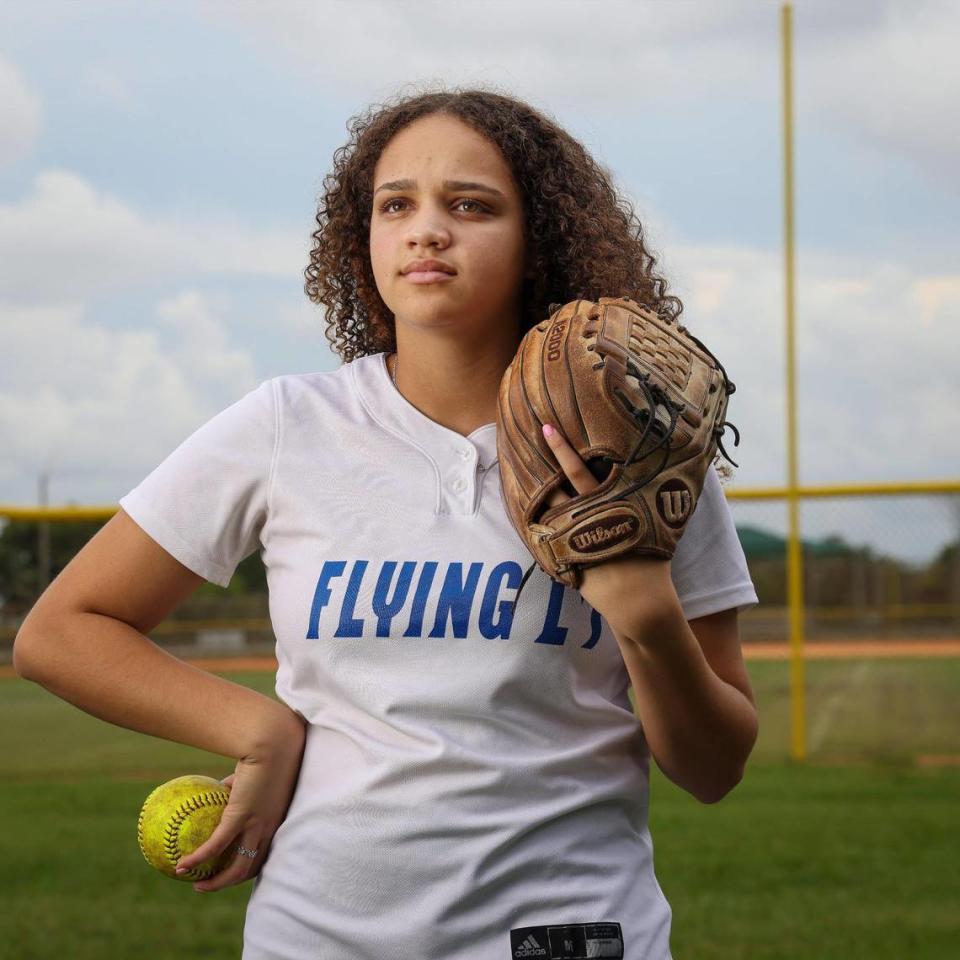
(475,783)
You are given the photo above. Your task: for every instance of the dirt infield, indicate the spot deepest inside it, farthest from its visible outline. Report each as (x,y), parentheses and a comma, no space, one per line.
(835,649)
(947,647)
(825,650)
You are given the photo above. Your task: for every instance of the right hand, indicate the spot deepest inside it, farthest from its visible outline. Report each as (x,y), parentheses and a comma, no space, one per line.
(261,789)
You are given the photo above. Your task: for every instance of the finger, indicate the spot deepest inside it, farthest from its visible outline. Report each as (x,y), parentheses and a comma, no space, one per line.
(223,835)
(571,463)
(228,781)
(238,870)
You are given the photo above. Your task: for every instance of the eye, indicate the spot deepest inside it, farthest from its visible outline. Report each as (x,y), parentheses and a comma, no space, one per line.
(479,207)
(384,208)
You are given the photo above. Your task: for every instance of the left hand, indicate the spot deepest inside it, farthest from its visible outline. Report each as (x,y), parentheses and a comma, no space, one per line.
(624,590)
(261,789)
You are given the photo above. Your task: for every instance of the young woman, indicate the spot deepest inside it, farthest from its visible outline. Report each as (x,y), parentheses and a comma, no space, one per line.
(443,777)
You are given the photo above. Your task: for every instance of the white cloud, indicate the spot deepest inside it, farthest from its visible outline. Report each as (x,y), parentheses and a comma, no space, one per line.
(861,68)
(710,288)
(876,345)
(68,240)
(894,86)
(301,319)
(87,401)
(938,300)
(199,343)
(369,47)
(21,115)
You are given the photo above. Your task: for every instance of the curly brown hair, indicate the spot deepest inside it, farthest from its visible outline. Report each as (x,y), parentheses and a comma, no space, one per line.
(585,240)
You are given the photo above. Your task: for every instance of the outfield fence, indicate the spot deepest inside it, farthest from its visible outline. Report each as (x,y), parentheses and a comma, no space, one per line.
(879,577)
(880,562)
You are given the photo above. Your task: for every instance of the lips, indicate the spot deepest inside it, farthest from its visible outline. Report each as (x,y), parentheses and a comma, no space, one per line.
(428,266)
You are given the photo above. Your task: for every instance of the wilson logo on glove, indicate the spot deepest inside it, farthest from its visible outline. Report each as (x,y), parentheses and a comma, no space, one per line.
(603,534)
(674,503)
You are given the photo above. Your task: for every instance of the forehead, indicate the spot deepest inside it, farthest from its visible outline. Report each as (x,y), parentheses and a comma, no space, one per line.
(440,146)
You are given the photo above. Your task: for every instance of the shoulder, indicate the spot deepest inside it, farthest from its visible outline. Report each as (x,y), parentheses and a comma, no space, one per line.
(336,378)
(307,381)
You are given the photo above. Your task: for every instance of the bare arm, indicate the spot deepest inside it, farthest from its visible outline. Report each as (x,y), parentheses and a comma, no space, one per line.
(84,641)
(693,696)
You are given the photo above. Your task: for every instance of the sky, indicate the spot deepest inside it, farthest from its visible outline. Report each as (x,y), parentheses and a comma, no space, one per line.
(160,165)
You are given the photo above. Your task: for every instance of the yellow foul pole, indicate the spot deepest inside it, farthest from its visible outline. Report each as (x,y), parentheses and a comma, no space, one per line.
(798,739)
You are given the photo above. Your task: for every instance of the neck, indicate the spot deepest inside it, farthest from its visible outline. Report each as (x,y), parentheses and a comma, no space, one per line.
(455,384)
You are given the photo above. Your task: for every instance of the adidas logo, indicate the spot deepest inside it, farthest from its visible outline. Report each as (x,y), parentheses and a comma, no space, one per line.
(530,948)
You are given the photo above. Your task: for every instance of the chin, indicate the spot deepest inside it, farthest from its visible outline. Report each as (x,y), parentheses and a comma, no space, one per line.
(430,308)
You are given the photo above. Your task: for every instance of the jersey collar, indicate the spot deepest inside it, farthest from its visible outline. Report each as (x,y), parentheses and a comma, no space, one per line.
(461,462)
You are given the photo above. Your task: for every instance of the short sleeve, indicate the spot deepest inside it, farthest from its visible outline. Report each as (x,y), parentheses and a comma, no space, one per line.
(709,568)
(206,503)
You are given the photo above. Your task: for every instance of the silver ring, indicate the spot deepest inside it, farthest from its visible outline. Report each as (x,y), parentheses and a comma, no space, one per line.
(245,852)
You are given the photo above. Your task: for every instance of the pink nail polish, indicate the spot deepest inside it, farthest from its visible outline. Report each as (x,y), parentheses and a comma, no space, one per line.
(547,430)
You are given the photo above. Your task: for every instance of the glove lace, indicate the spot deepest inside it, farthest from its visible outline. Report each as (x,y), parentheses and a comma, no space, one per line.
(730,387)
(655,395)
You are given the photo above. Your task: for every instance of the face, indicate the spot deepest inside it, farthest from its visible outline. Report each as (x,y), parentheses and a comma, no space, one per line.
(444,192)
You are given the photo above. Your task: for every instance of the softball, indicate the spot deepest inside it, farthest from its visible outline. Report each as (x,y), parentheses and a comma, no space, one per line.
(177,818)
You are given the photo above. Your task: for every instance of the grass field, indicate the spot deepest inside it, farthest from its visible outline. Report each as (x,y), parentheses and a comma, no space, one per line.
(852,854)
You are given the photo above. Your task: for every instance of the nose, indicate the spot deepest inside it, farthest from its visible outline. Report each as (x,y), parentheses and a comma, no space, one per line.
(427,228)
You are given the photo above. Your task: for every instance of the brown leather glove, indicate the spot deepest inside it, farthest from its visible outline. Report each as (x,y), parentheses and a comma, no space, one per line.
(641,400)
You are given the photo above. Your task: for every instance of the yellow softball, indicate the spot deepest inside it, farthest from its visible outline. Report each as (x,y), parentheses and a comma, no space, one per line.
(177,818)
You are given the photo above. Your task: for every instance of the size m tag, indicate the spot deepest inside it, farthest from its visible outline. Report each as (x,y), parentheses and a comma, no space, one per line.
(570,941)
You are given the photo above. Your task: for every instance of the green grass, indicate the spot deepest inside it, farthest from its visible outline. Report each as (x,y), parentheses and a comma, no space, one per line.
(877,711)
(802,860)
(812,862)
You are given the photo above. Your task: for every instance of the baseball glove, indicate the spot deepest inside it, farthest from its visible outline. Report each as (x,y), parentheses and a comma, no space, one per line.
(641,400)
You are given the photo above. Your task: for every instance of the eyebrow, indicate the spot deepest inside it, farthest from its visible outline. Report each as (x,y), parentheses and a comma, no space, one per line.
(448,185)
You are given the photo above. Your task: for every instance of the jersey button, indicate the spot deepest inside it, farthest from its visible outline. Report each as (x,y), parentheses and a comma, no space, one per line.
(464,453)
(459,484)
